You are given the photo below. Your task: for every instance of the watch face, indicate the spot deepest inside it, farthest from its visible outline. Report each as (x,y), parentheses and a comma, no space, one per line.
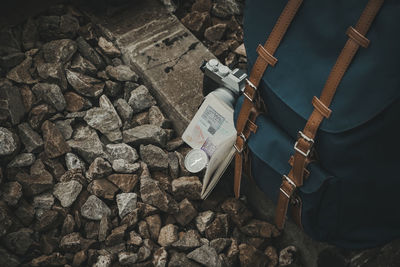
(196,160)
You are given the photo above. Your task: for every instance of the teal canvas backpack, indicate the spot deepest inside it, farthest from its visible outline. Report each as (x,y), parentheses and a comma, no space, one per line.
(319,120)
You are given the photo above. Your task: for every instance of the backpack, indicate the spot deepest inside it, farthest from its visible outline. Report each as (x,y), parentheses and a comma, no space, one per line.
(329,158)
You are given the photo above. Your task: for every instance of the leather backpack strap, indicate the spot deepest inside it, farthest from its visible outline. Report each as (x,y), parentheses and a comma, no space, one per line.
(247,116)
(321,110)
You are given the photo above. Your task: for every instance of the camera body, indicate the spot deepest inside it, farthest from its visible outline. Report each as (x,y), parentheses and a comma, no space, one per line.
(225,83)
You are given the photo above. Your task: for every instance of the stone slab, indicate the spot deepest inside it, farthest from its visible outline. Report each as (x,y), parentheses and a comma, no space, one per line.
(166,54)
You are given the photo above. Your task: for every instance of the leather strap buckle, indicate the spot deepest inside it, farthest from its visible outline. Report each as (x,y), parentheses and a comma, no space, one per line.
(300,134)
(308,139)
(240,150)
(289,180)
(248,97)
(251,84)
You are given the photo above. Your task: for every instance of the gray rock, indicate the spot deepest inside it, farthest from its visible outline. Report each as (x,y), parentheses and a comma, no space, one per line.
(215,32)
(74,162)
(219,228)
(272,255)
(51,94)
(103,261)
(122,151)
(180,259)
(220,244)
(102,188)
(82,65)
(68,225)
(144,135)
(89,53)
(122,166)
(11,102)
(143,229)
(95,209)
(84,84)
(250,256)
(173,165)
(21,73)
(105,121)
(189,241)
(257,228)
(22,160)
(187,187)
(123,108)
(151,193)
(187,212)
(160,257)
(43,202)
(196,21)
(54,142)
(154,223)
(143,254)
(104,228)
(127,258)
(8,142)
(134,239)
(108,48)
(19,242)
(12,192)
(155,158)
(122,73)
(141,99)
(112,88)
(54,73)
(65,128)
(205,255)
(69,26)
(87,144)
(226,8)
(174,144)
(116,236)
(24,212)
(35,183)
(67,192)
(71,242)
(31,139)
(287,256)
(126,203)
(237,210)
(47,220)
(204,219)
(99,168)
(181,161)
(5,220)
(168,235)
(59,51)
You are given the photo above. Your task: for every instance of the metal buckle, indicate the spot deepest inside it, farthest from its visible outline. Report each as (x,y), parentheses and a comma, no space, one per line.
(305,137)
(247,96)
(251,84)
(283,191)
(289,180)
(308,139)
(244,139)
(305,154)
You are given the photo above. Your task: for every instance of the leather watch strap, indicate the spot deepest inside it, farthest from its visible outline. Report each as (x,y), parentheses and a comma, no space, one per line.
(321,110)
(264,59)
